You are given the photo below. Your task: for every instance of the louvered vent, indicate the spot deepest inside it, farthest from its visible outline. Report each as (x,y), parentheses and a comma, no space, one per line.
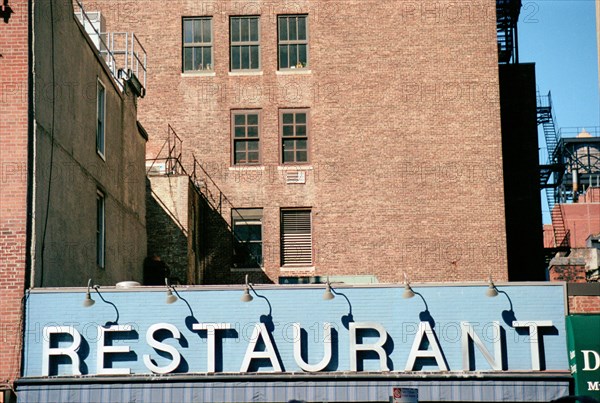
(292,177)
(296,237)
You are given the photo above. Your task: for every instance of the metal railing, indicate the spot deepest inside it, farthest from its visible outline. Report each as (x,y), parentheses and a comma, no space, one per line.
(121,51)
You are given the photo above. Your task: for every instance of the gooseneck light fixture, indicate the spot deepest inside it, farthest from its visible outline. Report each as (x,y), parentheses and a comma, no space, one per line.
(491,291)
(246,297)
(408,291)
(328,294)
(170,297)
(88,301)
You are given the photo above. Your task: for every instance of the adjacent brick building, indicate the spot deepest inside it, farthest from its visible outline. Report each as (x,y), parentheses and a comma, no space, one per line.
(367,134)
(72,201)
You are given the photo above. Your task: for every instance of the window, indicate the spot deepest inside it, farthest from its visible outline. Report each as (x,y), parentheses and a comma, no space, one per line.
(296,237)
(100,117)
(247,238)
(294,136)
(100,230)
(246,128)
(245,46)
(292,41)
(197,44)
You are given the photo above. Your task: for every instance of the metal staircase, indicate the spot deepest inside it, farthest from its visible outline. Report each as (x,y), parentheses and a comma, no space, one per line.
(551,173)
(507,15)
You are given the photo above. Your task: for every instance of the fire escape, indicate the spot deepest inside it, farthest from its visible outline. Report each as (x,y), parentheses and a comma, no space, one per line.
(507,15)
(551,174)
(169,162)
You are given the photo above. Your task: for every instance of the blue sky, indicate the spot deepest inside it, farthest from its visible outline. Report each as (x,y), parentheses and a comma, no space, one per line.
(560,37)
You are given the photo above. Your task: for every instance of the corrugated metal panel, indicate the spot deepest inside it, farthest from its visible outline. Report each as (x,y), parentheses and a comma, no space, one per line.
(309,391)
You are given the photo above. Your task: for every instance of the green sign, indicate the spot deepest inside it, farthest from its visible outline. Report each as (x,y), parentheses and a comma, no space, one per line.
(583,335)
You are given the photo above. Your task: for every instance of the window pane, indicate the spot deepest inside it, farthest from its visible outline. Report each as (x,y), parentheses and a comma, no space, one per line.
(283,57)
(197,58)
(288,118)
(187,59)
(301,131)
(253,156)
(240,157)
(235,30)
(206,34)
(292,29)
(240,132)
(288,130)
(293,55)
(288,156)
(245,57)
(301,156)
(255,250)
(252,145)
(283,29)
(240,146)
(302,56)
(197,31)
(300,117)
(206,56)
(254,57)
(240,119)
(301,144)
(252,119)
(235,58)
(301,28)
(254,29)
(253,131)
(187,31)
(288,145)
(244,29)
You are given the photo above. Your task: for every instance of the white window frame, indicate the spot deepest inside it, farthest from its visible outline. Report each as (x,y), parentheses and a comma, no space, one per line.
(101,120)
(100,229)
(241,221)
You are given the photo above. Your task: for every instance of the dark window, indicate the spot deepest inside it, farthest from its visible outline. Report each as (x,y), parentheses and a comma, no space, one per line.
(100,230)
(197,44)
(247,238)
(246,137)
(294,136)
(292,41)
(100,117)
(296,237)
(245,43)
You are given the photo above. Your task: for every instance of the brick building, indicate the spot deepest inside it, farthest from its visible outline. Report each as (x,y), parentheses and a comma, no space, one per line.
(343,138)
(72,201)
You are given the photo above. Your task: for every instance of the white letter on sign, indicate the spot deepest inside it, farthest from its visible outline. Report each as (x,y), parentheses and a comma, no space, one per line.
(586,360)
(377,346)
(70,351)
(534,338)
(211,330)
(260,330)
(468,333)
(102,349)
(435,352)
(152,342)
(298,349)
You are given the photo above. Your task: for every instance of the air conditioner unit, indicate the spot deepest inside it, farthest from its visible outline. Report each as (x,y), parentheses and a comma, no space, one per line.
(156,168)
(295,177)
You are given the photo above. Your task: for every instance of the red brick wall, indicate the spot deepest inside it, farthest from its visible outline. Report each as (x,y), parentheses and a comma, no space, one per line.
(584,304)
(581,219)
(13,184)
(405,129)
(571,273)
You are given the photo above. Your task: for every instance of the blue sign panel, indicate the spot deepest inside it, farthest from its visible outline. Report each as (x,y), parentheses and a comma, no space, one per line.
(293,329)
